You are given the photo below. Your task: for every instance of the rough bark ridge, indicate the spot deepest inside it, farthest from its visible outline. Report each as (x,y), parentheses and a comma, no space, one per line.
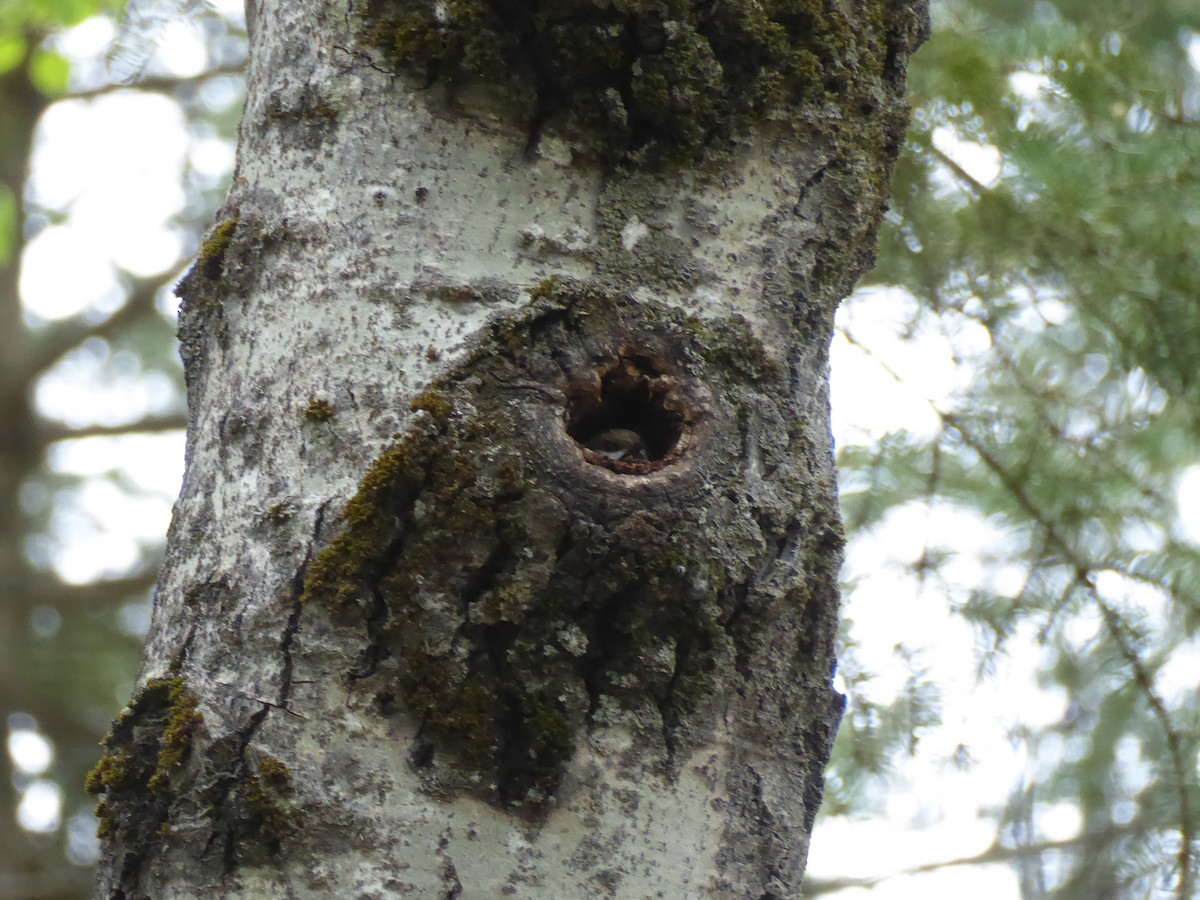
(421,639)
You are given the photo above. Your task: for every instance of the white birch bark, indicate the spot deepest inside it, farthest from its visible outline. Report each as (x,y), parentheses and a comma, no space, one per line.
(413,638)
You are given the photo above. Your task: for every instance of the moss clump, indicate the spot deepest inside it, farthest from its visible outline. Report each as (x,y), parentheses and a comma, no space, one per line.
(211,258)
(111,771)
(545,288)
(145,748)
(280,511)
(438,405)
(318,410)
(182,719)
(267,812)
(340,575)
(654,78)
(275,774)
(106,826)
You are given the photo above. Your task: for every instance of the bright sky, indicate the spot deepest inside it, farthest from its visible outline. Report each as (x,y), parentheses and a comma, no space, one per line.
(112,166)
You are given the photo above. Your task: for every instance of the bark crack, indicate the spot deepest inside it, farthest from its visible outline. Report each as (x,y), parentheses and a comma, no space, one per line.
(365,59)
(223,826)
(667,707)
(224,818)
(293,621)
(782,550)
(451,884)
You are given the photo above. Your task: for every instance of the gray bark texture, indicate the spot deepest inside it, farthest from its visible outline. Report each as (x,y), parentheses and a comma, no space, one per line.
(426,628)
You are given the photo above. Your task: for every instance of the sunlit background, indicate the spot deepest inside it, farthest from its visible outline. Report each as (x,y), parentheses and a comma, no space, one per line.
(1014,409)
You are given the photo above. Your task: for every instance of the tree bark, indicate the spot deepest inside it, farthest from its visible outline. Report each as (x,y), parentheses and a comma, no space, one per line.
(418,631)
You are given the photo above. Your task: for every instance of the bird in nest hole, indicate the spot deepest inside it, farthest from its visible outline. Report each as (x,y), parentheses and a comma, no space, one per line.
(618,443)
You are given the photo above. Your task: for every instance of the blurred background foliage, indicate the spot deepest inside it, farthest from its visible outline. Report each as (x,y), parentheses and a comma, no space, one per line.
(90,382)
(1036,300)
(1044,227)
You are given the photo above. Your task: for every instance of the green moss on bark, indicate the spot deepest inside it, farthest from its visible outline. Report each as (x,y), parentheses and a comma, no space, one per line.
(211,258)
(267,811)
(342,574)
(504,624)
(146,746)
(318,410)
(656,78)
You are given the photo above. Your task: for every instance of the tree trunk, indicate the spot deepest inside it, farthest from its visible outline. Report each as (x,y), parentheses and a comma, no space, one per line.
(506,558)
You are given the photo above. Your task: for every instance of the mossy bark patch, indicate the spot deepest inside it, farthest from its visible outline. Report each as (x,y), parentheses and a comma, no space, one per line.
(318,410)
(652,78)
(211,258)
(515,595)
(147,745)
(267,809)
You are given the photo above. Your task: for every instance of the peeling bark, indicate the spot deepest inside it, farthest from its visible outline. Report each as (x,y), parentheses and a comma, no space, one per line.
(440,644)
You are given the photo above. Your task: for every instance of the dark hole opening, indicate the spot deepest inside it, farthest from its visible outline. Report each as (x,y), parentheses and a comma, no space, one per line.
(634,417)
(421,755)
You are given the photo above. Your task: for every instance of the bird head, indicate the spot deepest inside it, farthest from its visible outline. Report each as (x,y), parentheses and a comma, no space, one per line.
(618,443)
